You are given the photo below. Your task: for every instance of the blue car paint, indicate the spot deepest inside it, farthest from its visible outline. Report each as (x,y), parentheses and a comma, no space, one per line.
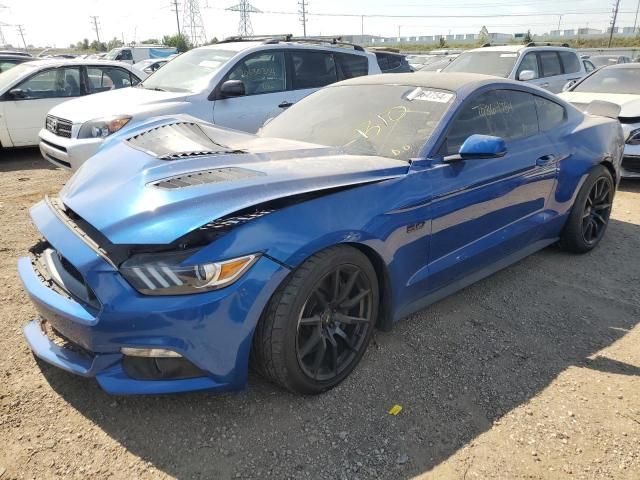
(433,228)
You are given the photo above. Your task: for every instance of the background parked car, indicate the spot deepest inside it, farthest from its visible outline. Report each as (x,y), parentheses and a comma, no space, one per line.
(29,90)
(619,84)
(141,52)
(605,60)
(438,63)
(392,61)
(8,61)
(16,52)
(237,83)
(549,67)
(150,65)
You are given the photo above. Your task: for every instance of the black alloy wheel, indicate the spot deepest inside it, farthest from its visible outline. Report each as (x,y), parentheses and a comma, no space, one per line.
(334,323)
(596,210)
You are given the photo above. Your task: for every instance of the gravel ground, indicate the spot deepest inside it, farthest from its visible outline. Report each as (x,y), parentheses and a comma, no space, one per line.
(532,373)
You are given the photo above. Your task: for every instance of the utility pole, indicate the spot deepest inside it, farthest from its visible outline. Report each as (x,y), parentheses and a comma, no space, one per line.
(613,22)
(559,21)
(362,28)
(303,15)
(175,6)
(94,20)
(635,22)
(21,32)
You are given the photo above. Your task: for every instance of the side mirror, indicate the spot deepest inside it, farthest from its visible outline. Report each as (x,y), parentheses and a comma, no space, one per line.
(17,93)
(232,88)
(526,75)
(568,85)
(479,146)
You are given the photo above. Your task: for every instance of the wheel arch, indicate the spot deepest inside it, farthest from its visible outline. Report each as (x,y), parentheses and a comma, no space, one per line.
(608,164)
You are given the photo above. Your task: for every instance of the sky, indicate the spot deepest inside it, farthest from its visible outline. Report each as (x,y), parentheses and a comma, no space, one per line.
(62,22)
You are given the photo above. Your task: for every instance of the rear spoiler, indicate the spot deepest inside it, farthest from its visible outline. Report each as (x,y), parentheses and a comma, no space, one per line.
(603,109)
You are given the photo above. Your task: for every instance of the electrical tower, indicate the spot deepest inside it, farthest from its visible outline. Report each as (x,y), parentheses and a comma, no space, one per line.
(303,15)
(613,21)
(94,20)
(245,8)
(21,32)
(192,24)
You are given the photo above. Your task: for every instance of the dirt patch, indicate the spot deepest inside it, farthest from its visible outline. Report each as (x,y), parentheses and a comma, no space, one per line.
(532,373)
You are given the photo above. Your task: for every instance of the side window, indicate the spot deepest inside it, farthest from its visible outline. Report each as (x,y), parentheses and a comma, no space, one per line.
(126,55)
(55,83)
(550,114)
(550,64)
(500,113)
(352,65)
(261,72)
(529,62)
(570,62)
(588,66)
(313,69)
(107,78)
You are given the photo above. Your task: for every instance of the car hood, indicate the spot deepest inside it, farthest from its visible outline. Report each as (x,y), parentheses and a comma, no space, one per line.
(629,104)
(133,197)
(124,101)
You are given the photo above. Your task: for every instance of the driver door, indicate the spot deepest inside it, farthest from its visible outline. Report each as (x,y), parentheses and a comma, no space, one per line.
(264,77)
(25,113)
(487,209)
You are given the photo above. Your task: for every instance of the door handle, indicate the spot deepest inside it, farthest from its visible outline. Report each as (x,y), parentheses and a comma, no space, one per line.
(545,160)
(285,104)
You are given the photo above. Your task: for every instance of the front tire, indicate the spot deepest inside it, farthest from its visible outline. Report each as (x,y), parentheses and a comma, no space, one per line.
(589,216)
(319,322)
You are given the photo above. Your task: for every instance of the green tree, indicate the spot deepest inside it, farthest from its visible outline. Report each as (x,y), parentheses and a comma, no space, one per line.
(152,41)
(483,36)
(527,37)
(177,41)
(442,42)
(114,43)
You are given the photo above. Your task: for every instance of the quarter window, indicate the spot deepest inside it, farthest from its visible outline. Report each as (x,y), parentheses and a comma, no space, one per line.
(261,72)
(352,65)
(55,83)
(550,64)
(570,62)
(313,69)
(550,114)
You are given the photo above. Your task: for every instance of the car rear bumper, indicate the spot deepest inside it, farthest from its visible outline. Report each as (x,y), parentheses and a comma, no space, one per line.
(69,153)
(210,331)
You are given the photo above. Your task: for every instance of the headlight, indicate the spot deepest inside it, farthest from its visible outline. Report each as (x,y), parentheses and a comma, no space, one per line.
(634,137)
(163,274)
(103,127)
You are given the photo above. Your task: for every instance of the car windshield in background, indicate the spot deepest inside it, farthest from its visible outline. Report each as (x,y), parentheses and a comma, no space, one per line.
(189,72)
(603,61)
(382,120)
(112,54)
(611,80)
(9,77)
(488,63)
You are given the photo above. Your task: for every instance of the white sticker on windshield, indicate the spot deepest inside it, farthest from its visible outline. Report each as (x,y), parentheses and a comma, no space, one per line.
(209,64)
(508,55)
(429,96)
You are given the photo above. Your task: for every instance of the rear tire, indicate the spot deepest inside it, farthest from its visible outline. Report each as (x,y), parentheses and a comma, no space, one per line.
(589,216)
(319,322)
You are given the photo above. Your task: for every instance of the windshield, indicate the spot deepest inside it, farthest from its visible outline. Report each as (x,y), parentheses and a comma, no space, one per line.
(189,72)
(112,54)
(382,120)
(488,63)
(609,80)
(9,77)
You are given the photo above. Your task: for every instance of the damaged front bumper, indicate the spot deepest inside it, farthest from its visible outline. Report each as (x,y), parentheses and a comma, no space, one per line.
(210,333)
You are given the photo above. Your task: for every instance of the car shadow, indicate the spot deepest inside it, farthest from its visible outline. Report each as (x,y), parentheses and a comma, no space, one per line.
(12,159)
(455,368)
(629,185)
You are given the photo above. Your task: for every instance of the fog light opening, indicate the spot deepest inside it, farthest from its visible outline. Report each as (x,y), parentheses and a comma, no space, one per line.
(149,352)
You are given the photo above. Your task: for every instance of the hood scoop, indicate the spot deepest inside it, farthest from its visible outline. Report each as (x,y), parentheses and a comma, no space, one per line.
(177,140)
(205,177)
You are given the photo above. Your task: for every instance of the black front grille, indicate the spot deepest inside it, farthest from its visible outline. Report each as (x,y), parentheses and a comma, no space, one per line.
(58,126)
(631,164)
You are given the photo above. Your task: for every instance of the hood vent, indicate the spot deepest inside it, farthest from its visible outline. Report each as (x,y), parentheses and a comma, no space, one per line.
(177,140)
(205,177)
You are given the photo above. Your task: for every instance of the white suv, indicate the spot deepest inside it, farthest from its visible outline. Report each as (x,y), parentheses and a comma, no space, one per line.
(546,66)
(238,83)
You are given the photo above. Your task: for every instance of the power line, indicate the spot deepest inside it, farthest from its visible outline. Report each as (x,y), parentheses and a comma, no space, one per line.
(245,8)
(94,20)
(21,32)
(192,23)
(303,15)
(613,21)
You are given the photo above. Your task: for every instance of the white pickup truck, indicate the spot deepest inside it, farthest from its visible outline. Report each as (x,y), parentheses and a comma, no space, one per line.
(141,52)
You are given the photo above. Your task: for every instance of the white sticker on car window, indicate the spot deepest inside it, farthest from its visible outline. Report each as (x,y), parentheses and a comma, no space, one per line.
(209,64)
(429,96)
(508,55)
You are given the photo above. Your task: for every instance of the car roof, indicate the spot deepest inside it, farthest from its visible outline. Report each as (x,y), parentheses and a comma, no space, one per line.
(443,81)
(11,56)
(621,65)
(519,48)
(61,62)
(246,44)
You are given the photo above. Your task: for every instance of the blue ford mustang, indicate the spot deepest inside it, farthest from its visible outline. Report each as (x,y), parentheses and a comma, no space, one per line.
(182,253)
